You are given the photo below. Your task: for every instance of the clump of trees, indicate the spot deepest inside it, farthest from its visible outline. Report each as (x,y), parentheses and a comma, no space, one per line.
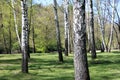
(26,27)
(42,29)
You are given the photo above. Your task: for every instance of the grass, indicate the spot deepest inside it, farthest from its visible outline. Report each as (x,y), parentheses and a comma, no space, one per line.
(46,67)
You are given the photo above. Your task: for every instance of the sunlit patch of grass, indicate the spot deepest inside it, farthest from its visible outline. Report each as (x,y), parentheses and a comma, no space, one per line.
(45,66)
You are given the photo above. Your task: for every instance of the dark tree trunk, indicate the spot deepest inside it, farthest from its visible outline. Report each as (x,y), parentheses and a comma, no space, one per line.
(92,38)
(102,47)
(24,37)
(30,25)
(4,40)
(33,39)
(80,56)
(10,40)
(117,37)
(58,32)
(3,34)
(66,22)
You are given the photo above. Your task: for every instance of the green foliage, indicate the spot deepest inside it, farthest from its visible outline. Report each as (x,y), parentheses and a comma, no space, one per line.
(1,49)
(15,46)
(42,20)
(98,44)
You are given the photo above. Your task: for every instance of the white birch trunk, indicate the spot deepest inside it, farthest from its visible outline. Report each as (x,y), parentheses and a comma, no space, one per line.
(15,21)
(88,28)
(92,39)
(101,24)
(24,37)
(66,22)
(112,25)
(79,27)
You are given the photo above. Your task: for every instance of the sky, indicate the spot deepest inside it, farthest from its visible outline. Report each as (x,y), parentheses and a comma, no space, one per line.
(47,2)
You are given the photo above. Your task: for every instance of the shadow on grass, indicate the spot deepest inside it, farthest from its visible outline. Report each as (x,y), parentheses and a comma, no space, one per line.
(1,56)
(107,76)
(105,60)
(32,76)
(116,52)
(36,64)
(11,61)
(48,64)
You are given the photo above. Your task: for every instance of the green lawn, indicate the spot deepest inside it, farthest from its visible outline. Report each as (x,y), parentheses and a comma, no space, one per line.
(46,67)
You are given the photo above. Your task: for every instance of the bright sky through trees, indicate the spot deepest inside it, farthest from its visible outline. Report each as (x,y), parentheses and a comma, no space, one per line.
(46,2)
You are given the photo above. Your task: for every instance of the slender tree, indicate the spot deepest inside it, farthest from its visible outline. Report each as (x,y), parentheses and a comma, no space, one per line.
(66,22)
(24,37)
(4,40)
(9,30)
(79,27)
(33,30)
(58,32)
(33,39)
(112,27)
(92,39)
(32,26)
(117,37)
(102,26)
(88,25)
(15,22)
(3,33)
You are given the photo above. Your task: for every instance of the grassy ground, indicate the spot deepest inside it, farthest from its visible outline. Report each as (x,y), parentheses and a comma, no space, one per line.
(47,67)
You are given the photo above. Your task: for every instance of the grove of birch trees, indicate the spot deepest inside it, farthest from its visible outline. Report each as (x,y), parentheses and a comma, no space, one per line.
(72,27)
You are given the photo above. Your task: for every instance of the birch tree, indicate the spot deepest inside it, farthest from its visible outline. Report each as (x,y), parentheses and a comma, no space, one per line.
(79,27)
(112,26)
(118,24)
(58,32)
(15,22)
(88,25)
(66,22)
(92,39)
(24,37)
(102,26)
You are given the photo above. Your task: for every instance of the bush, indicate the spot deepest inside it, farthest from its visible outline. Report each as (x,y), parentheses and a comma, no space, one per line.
(15,46)
(52,47)
(1,50)
(98,44)
(47,48)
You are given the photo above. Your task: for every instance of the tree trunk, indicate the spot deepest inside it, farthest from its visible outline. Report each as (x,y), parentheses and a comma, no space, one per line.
(15,22)
(33,39)
(24,37)
(4,41)
(92,39)
(70,49)
(80,55)
(117,37)
(112,25)
(33,31)
(66,22)
(3,34)
(101,23)
(88,29)
(58,32)
(10,40)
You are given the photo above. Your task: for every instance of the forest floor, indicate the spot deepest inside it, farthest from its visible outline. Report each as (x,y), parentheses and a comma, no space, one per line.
(46,67)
